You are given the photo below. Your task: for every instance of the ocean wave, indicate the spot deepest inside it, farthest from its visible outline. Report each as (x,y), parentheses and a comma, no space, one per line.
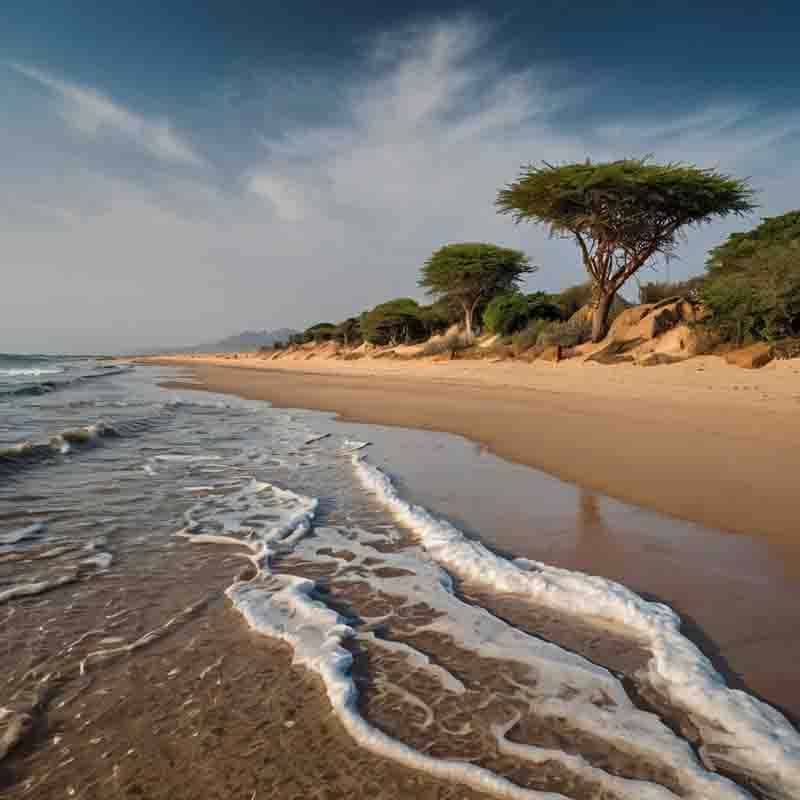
(31,371)
(737,733)
(48,386)
(25,454)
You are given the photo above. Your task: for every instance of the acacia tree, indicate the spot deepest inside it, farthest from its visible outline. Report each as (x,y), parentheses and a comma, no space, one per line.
(348,332)
(393,322)
(471,274)
(621,214)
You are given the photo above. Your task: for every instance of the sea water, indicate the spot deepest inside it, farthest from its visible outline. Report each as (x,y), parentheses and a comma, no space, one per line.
(105,479)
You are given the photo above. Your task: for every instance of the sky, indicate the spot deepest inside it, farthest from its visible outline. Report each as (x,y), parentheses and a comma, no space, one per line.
(171,173)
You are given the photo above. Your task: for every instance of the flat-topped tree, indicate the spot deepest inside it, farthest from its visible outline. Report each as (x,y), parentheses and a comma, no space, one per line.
(470,274)
(622,214)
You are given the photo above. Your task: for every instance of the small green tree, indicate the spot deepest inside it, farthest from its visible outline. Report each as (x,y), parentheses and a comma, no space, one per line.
(543,306)
(348,332)
(621,214)
(393,322)
(321,332)
(470,274)
(507,313)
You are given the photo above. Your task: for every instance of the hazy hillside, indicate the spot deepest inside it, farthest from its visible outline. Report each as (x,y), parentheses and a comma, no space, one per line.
(247,340)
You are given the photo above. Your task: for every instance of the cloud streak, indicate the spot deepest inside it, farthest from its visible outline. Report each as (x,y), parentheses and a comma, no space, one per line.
(92,114)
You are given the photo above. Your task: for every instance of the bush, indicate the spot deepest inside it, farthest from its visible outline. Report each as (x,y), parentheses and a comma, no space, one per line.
(448,344)
(656,291)
(529,336)
(567,334)
(507,313)
(573,299)
(733,306)
(761,300)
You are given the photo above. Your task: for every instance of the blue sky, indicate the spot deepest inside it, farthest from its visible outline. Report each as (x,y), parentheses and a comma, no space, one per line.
(170,173)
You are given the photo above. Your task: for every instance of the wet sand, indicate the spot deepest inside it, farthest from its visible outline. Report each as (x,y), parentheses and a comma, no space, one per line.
(736,593)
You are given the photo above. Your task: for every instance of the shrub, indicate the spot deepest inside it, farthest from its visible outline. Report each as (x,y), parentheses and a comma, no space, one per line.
(567,334)
(573,299)
(507,313)
(656,291)
(321,332)
(448,344)
(760,300)
(529,336)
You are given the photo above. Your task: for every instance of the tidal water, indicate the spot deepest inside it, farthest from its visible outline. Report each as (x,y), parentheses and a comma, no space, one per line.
(129,512)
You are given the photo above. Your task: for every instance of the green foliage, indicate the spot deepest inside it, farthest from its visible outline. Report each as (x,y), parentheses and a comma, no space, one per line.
(629,201)
(656,291)
(439,316)
(734,307)
(760,298)
(348,332)
(296,339)
(321,332)
(543,306)
(621,213)
(741,249)
(507,313)
(470,274)
(395,322)
(753,282)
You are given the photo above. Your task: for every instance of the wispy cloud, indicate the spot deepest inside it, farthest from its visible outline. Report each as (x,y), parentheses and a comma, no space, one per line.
(93,114)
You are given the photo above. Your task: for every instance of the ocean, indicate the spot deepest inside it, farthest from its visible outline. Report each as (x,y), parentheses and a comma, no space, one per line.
(157,532)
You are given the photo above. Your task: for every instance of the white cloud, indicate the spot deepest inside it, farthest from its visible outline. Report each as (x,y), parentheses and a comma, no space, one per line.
(92,114)
(286,201)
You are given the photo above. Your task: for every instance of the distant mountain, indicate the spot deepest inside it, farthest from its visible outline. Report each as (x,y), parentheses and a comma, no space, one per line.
(242,342)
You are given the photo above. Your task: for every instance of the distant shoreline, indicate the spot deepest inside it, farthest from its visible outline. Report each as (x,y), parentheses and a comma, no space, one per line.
(699,440)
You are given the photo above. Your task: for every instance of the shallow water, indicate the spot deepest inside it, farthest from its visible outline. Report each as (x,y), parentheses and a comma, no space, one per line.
(120,542)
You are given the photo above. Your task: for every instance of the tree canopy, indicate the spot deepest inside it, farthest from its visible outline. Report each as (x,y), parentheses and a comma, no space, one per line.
(753,281)
(739,250)
(470,274)
(321,332)
(621,214)
(393,322)
(348,332)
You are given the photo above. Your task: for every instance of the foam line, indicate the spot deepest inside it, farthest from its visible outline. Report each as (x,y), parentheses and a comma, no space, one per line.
(739,733)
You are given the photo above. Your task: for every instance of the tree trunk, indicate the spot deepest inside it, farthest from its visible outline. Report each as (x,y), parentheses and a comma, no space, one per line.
(602,306)
(468,323)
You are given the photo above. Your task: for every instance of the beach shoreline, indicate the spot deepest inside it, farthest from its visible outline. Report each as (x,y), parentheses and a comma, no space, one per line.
(701,440)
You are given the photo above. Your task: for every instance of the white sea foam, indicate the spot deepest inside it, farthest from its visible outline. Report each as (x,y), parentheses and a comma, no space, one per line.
(281,607)
(31,371)
(32,589)
(598,704)
(739,733)
(23,534)
(352,445)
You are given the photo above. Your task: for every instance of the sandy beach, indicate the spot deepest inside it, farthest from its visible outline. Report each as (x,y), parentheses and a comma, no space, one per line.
(700,440)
